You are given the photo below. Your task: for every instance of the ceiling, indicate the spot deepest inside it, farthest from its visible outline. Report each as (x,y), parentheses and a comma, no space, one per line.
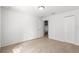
(49,10)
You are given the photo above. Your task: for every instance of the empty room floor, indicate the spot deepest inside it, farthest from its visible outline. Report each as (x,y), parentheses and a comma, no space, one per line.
(41,45)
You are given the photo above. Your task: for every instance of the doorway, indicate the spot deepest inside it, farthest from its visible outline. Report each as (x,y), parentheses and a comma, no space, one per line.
(46,28)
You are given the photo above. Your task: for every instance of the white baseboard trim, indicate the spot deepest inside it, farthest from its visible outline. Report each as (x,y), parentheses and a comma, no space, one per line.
(22,40)
(75,43)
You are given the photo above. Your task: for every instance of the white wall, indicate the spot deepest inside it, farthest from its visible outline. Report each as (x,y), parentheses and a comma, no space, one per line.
(18,27)
(57,26)
(0,26)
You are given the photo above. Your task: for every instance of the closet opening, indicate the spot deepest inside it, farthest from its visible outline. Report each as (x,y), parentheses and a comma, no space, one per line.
(46,28)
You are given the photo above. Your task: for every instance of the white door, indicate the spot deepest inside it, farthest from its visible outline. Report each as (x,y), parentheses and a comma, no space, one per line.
(69,27)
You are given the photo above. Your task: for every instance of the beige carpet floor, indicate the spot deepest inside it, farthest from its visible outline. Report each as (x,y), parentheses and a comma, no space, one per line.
(42,45)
